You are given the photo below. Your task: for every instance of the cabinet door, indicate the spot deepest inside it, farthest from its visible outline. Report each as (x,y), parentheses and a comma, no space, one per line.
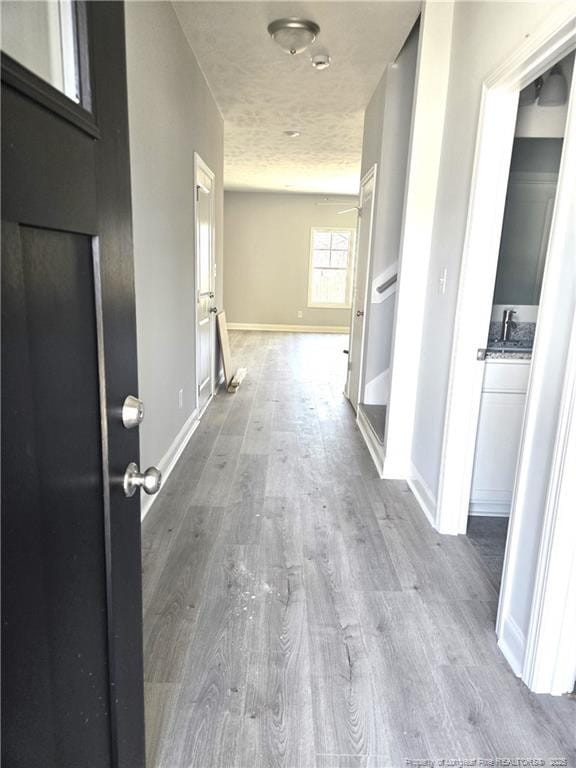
(497,445)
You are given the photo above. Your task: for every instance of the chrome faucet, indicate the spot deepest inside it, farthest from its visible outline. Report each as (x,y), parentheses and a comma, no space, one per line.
(508,324)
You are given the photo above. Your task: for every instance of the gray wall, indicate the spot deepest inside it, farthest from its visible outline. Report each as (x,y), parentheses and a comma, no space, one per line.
(172,114)
(266,256)
(536,155)
(373,126)
(526,225)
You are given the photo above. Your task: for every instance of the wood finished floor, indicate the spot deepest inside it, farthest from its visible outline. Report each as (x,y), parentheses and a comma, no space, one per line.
(300,612)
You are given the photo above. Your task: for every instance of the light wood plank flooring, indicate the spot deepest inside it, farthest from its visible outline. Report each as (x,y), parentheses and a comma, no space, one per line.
(300,612)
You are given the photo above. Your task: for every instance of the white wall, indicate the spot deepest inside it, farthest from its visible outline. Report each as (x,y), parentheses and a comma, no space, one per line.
(172,114)
(428,120)
(267,253)
(484,35)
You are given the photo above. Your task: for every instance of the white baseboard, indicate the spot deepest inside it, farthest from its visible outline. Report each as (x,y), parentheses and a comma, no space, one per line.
(374,446)
(489,509)
(512,643)
(395,469)
(423,494)
(168,461)
(288,328)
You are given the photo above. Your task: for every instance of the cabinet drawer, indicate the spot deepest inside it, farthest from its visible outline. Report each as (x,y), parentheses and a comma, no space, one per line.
(506,376)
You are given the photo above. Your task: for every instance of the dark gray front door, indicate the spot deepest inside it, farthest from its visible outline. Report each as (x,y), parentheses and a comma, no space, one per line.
(72,694)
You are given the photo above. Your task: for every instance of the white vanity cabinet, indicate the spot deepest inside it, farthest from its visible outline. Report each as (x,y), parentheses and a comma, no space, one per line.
(498,437)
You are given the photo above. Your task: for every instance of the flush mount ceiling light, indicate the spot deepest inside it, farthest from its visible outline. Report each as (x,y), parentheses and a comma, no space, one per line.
(320,61)
(293,35)
(292,134)
(554,92)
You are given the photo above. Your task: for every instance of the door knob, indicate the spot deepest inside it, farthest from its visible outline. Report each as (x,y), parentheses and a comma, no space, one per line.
(211,295)
(213,309)
(132,412)
(150,480)
(359,313)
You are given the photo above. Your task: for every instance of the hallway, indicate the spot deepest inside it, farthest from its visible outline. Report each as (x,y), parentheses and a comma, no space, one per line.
(298,611)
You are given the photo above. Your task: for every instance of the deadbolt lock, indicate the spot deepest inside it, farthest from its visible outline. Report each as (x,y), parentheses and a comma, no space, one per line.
(132,412)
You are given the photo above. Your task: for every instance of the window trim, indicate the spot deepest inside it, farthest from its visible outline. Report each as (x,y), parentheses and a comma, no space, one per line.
(350,269)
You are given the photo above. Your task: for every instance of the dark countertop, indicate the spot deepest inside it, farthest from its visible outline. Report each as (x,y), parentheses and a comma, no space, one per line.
(508,350)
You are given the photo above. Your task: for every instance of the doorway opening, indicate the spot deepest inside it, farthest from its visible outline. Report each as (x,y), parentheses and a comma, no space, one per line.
(528,211)
(530,633)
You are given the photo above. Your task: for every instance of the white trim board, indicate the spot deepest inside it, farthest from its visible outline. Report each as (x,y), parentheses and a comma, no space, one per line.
(487,509)
(170,458)
(200,167)
(288,328)
(375,447)
(423,494)
(550,659)
(511,642)
(360,304)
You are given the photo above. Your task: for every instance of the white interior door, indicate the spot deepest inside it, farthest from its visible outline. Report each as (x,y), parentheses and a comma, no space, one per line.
(359,301)
(205,308)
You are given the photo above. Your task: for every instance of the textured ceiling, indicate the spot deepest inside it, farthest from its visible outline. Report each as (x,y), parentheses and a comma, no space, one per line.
(262,91)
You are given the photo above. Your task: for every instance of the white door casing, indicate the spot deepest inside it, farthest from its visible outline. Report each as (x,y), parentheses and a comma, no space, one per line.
(362,262)
(205,280)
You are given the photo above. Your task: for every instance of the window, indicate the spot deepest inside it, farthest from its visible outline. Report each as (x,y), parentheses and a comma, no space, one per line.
(43,38)
(330,276)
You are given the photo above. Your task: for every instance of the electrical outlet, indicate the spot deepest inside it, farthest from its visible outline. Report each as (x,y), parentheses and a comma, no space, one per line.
(300,313)
(180,398)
